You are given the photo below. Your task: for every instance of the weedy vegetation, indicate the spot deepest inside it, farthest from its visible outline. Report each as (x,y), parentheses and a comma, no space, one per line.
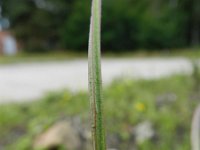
(168,104)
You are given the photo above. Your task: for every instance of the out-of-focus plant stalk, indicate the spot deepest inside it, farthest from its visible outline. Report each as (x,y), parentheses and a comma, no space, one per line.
(195,131)
(95,81)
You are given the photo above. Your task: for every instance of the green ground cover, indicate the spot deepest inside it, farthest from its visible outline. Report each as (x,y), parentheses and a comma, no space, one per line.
(40,57)
(62,56)
(167,103)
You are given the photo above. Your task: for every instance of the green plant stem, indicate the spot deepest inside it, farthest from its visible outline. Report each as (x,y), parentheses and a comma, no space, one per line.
(95,83)
(195,130)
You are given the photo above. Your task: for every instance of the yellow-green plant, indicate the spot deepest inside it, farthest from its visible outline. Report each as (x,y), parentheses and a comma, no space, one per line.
(95,83)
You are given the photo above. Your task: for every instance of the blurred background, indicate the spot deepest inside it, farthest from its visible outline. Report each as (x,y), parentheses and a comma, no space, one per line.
(150,66)
(126,25)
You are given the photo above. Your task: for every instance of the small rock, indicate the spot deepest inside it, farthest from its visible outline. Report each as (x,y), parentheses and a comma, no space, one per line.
(143,131)
(113,141)
(60,134)
(166,99)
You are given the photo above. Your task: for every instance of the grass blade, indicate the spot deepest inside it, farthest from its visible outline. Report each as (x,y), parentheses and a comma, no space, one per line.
(95,83)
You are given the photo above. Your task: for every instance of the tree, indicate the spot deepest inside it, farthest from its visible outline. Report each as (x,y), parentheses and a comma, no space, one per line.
(127,24)
(191,9)
(37,23)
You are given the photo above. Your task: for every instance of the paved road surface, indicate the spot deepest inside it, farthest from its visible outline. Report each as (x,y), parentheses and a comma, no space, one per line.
(25,82)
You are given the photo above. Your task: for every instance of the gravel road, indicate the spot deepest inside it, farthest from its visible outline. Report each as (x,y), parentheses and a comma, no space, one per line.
(29,81)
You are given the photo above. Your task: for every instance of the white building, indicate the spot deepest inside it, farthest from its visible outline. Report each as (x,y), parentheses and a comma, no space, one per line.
(8,44)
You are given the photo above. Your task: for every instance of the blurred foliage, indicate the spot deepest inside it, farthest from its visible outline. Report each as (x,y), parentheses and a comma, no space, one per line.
(167,103)
(43,25)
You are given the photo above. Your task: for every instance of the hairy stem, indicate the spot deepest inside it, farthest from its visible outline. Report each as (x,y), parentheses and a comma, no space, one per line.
(95,83)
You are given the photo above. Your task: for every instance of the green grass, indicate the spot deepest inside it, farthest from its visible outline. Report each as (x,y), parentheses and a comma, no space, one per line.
(63,56)
(167,103)
(41,57)
(190,53)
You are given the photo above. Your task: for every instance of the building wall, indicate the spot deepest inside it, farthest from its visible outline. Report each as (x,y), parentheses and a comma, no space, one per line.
(8,44)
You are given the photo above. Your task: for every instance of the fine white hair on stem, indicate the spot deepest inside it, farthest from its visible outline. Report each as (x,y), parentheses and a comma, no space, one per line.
(95,85)
(195,130)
